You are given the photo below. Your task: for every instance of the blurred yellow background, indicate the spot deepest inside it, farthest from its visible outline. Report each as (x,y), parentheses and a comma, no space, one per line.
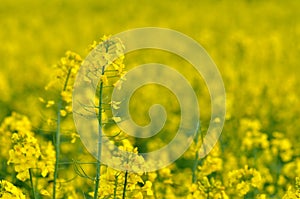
(255,41)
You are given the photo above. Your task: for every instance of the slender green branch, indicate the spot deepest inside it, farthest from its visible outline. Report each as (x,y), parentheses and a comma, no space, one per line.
(116,186)
(76,162)
(194,169)
(36,184)
(57,149)
(194,177)
(154,191)
(31,182)
(99,144)
(125,185)
(57,135)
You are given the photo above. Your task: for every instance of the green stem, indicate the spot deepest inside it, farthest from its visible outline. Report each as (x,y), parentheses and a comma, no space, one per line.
(154,191)
(194,176)
(31,182)
(116,186)
(125,185)
(99,145)
(57,136)
(36,184)
(57,149)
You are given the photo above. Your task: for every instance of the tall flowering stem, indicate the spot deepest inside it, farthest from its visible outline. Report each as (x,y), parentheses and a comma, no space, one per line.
(125,185)
(66,70)
(57,135)
(99,147)
(116,186)
(110,72)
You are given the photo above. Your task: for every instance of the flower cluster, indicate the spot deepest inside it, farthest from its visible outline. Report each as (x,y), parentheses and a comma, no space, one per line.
(207,188)
(114,182)
(281,147)
(27,153)
(109,52)
(242,180)
(254,138)
(127,156)
(212,163)
(293,192)
(11,124)
(65,74)
(8,190)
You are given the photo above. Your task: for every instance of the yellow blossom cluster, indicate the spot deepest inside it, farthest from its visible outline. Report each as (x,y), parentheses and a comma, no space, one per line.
(242,180)
(110,57)
(9,191)
(27,153)
(254,138)
(293,192)
(207,188)
(63,80)
(113,181)
(24,154)
(11,124)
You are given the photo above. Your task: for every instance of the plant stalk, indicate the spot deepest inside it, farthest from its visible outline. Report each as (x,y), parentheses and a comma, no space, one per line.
(125,185)
(99,144)
(194,169)
(116,186)
(31,182)
(57,135)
